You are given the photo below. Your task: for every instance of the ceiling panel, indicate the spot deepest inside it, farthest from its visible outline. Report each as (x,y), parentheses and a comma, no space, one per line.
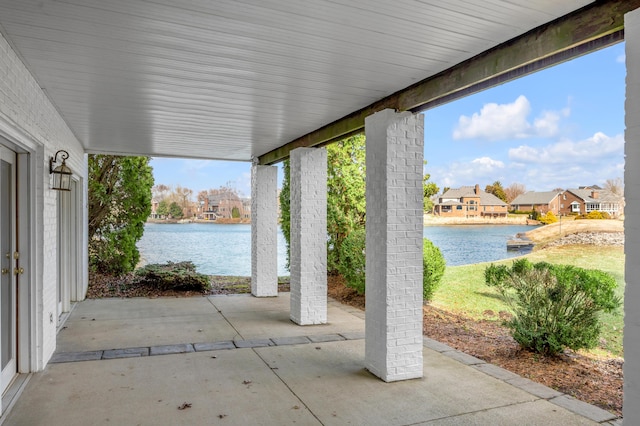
(234,79)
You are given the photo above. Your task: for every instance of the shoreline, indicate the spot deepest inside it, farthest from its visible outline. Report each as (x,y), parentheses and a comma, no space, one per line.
(188,221)
(431,220)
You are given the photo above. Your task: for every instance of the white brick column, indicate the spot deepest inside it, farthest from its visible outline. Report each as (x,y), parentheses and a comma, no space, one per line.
(308,236)
(631,404)
(264,231)
(393,337)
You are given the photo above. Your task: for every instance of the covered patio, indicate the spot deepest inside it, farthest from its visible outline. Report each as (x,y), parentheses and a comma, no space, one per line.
(261,81)
(240,360)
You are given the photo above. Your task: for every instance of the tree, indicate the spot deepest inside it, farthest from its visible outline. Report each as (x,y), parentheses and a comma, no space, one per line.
(160,192)
(345,196)
(346,203)
(119,204)
(163,208)
(497,190)
(184,195)
(175,211)
(514,190)
(235,212)
(429,189)
(285,211)
(615,186)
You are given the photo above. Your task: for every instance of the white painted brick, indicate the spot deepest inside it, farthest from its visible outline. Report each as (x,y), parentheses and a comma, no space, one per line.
(631,404)
(29,120)
(393,344)
(264,231)
(308,236)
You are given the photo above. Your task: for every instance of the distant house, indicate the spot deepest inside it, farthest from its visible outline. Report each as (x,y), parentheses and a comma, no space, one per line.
(587,199)
(154,209)
(246,208)
(469,201)
(542,202)
(221,205)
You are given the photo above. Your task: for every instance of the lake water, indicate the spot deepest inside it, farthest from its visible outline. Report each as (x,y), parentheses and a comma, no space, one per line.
(468,244)
(214,249)
(226,249)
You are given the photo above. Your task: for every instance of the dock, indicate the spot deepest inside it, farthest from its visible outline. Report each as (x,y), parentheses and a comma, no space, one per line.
(519,244)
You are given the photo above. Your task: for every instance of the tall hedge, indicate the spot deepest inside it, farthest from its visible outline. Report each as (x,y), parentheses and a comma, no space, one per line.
(119,205)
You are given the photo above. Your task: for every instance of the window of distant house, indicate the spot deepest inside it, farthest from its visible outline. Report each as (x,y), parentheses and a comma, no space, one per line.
(458,207)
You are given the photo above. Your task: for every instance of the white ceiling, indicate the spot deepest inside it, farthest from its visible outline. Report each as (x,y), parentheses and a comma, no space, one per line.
(232,79)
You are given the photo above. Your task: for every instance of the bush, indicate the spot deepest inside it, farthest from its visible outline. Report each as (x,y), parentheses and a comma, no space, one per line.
(180,276)
(433,266)
(353,258)
(548,218)
(535,215)
(554,306)
(351,263)
(595,215)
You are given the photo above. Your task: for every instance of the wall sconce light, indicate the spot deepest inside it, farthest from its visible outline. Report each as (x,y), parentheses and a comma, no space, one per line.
(61,174)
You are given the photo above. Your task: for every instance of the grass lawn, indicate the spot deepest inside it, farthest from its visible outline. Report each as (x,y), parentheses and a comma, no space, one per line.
(463,290)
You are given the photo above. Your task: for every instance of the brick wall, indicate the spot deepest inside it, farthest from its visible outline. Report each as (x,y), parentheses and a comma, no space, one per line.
(31,122)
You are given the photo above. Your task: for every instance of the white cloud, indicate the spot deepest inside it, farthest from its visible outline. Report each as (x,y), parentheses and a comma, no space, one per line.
(496,121)
(565,164)
(480,171)
(622,58)
(593,149)
(508,121)
(486,164)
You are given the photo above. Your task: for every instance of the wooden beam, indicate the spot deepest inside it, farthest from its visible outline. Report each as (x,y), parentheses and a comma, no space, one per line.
(585,30)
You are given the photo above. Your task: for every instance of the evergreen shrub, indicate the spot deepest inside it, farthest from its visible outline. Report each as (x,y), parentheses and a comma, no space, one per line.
(433,266)
(181,276)
(352,263)
(554,306)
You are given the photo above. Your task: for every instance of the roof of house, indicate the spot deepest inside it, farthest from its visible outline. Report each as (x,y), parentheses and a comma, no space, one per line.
(603,195)
(454,195)
(535,198)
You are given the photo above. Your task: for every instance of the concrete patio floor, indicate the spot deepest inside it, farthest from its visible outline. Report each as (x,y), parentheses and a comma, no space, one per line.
(239,360)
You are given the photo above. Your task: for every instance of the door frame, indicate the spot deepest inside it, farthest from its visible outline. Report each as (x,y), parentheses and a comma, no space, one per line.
(69,285)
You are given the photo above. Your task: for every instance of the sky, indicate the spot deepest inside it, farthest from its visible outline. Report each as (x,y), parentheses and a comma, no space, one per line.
(562,127)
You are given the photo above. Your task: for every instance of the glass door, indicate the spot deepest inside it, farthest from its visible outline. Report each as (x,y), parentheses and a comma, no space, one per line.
(9,268)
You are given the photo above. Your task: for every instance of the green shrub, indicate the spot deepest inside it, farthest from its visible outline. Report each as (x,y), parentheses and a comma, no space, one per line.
(433,266)
(535,215)
(180,276)
(351,263)
(554,306)
(548,218)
